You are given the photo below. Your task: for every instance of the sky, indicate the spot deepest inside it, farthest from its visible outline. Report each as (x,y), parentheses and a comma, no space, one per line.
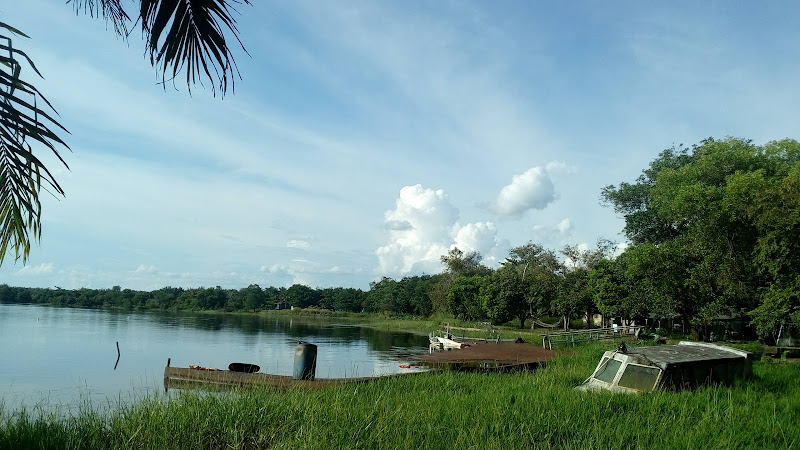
(366,139)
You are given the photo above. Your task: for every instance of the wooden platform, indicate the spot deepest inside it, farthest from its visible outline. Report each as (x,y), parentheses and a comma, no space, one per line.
(185,377)
(489,355)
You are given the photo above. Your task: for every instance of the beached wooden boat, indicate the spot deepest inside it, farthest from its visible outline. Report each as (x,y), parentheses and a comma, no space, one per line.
(188,377)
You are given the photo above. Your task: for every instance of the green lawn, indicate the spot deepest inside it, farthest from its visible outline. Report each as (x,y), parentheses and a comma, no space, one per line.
(442,411)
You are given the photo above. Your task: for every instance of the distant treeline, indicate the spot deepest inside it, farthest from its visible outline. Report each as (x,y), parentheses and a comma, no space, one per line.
(408,296)
(713,237)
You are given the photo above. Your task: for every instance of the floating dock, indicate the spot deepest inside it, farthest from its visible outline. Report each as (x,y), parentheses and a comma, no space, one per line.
(488,355)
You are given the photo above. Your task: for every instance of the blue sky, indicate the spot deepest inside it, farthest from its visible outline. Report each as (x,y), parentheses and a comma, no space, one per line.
(367,138)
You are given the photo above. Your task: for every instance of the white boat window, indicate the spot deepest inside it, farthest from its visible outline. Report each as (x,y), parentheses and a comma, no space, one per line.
(642,378)
(608,370)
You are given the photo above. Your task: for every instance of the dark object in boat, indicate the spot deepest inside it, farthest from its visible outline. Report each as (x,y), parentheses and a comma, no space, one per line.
(243,367)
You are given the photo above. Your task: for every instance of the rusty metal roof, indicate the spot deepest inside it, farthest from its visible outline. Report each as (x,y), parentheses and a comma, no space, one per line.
(667,356)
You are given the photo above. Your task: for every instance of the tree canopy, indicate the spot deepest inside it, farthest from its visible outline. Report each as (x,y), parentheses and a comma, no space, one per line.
(715,230)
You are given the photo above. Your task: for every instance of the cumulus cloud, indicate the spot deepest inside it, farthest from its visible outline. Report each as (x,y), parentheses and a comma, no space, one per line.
(554,167)
(554,233)
(423,227)
(41,269)
(289,274)
(398,225)
(480,237)
(565,226)
(533,189)
(298,243)
(420,229)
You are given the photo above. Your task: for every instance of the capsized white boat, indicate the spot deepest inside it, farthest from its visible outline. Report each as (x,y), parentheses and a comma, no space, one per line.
(686,365)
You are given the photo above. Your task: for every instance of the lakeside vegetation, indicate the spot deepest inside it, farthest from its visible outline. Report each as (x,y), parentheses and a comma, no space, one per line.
(442,410)
(714,232)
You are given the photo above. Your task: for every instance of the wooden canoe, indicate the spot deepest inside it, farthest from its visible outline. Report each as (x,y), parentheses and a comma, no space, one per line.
(186,377)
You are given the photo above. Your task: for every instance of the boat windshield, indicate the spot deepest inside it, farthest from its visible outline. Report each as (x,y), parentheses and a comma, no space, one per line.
(641,378)
(608,370)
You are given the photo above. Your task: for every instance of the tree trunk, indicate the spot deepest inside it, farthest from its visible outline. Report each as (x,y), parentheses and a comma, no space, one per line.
(566,323)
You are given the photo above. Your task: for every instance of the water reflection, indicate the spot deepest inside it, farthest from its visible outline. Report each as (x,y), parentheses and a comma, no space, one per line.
(295,328)
(67,355)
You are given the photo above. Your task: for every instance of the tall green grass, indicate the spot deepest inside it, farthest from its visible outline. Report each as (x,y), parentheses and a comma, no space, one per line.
(442,411)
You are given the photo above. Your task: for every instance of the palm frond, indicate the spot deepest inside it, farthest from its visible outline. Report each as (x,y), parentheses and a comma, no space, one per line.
(180,35)
(23,174)
(189,34)
(109,10)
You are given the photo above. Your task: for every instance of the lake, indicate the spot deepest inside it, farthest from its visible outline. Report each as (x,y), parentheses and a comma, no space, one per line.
(60,358)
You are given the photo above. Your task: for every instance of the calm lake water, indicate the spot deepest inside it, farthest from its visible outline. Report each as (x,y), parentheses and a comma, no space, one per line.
(62,357)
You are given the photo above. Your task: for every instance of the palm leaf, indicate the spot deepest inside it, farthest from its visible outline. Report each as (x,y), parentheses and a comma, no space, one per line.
(180,35)
(189,35)
(22,174)
(109,10)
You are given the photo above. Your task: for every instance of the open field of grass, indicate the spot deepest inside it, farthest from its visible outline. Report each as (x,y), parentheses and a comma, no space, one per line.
(444,410)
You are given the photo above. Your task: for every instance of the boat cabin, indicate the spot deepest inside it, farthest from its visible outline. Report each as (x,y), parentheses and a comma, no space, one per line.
(682,366)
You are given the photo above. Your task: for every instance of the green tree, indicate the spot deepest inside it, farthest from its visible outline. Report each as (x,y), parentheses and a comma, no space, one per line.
(382,296)
(254,297)
(457,263)
(301,296)
(643,224)
(180,36)
(617,293)
(343,299)
(503,297)
(729,209)
(464,298)
(574,296)
(539,271)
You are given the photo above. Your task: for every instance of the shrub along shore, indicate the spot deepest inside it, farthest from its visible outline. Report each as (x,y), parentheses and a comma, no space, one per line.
(440,410)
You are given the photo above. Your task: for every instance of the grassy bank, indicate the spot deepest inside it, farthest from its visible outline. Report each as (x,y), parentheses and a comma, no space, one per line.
(447,411)
(399,322)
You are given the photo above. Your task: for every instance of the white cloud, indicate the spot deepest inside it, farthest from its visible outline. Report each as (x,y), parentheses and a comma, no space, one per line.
(429,229)
(565,226)
(41,269)
(532,189)
(417,246)
(480,237)
(146,269)
(297,243)
(398,225)
(288,274)
(554,167)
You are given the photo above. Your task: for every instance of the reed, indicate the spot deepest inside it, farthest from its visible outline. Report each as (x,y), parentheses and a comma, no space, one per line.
(444,410)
